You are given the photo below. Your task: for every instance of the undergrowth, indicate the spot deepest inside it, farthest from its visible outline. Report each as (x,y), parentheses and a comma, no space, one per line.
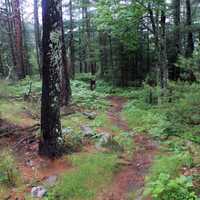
(91,173)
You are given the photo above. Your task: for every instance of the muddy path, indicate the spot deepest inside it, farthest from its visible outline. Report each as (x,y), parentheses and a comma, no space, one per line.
(130,179)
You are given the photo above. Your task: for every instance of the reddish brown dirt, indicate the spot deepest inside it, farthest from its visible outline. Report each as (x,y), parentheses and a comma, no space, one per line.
(131,178)
(117,104)
(32,167)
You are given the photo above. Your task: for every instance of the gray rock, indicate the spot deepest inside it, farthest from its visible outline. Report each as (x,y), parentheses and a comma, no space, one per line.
(38,192)
(51,180)
(106,141)
(87,131)
(66,131)
(90,115)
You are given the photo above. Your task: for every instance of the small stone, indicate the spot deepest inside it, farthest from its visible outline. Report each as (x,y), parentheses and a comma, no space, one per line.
(51,180)
(29,163)
(66,131)
(38,192)
(87,131)
(90,115)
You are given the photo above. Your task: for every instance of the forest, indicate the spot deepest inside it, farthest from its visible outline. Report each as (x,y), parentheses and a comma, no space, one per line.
(100,99)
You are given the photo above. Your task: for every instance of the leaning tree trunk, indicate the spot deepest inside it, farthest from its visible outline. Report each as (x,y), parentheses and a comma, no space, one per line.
(51,140)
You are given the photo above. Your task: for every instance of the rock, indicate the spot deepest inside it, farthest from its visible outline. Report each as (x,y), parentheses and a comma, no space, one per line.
(29,163)
(51,180)
(38,192)
(106,141)
(66,131)
(90,115)
(87,131)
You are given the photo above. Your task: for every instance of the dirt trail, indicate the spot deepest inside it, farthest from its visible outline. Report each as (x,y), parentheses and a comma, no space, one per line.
(130,180)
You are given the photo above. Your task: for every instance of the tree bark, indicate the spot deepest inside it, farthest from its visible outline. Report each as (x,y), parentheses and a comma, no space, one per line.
(190,41)
(71,41)
(163,53)
(65,78)
(20,69)
(51,140)
(37,37)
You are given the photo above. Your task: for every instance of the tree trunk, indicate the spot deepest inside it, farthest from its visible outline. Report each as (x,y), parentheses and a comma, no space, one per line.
(177,38)
(37,37)
(71,41)
(20,70)
(190,41)
(51,140)
(65,80)
(10,32)
(163,54)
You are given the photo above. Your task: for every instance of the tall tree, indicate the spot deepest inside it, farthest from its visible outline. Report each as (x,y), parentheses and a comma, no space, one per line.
(190,41)
(71,41)
(51,140)
(19,52)
(64,73)
(37,36)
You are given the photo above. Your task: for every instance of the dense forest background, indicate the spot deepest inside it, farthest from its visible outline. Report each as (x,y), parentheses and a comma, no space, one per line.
(124,42)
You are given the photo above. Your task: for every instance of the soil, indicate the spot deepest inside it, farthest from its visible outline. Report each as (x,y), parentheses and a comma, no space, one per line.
(131,178)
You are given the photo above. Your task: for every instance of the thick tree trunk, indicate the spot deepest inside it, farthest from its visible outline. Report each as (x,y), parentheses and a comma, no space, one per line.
(37,37)
(190,41)
(20,70)
(51,140)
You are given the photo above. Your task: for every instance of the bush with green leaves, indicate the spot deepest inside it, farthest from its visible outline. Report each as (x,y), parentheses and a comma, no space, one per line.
(190,64)
(83,96)
(8,169)
(166,188)
(125,140)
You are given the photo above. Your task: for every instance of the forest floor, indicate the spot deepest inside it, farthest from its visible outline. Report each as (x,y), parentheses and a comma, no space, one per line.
(90,171)
(129,182)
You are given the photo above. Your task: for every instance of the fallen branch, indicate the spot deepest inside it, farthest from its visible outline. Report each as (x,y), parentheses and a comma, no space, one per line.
(29,137)
(7,132)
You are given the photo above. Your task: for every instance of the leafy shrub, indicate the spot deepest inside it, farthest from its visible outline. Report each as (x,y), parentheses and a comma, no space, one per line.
(83,96)
(125,140)
(169,164)
(165,188)
(8,169)
(73,142)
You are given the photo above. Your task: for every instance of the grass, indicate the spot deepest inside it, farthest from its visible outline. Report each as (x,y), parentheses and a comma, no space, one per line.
(92,173)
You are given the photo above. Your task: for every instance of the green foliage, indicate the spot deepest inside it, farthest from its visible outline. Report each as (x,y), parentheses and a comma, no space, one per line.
(120,20)
(191,64)
(169,164)
(125,140)
(91,173)
(165,188)
(83,96)
(179,113)
(73,141)
(164,183)
(8,168)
